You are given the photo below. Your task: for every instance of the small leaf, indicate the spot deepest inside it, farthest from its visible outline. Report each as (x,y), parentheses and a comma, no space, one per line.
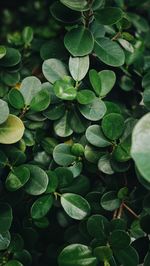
(62,127)
(4,240)
(119,239)
(103,253)
(17,178)
(75,206)
(95,81)
(11,130)
(104,165)
(40,101)
(98,227)
(79,41)
(78,67)
(2,51)
(65,90)
(127,256)
(107,80)
(27,35)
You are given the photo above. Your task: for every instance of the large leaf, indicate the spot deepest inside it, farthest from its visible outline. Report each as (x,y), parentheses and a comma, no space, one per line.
(53,69)
(75,206)
(11,130)
(76,255)
(109,52)
(140,149)
(79,41)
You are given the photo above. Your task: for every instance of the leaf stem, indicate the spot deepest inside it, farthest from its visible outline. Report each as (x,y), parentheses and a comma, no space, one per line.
(131,211)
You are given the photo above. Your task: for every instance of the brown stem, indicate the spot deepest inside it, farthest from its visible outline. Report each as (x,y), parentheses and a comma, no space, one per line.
(25,109)
(120,211)
(131,211)
(116,36)
(115,214)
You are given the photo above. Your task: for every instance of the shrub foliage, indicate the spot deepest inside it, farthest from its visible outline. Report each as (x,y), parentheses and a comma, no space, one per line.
(75,133)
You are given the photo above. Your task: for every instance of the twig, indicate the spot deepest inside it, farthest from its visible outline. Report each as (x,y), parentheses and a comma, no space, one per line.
(131,211)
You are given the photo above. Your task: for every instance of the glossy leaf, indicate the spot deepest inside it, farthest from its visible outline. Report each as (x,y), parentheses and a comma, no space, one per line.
(109,15)
(53,69)
(41,206)
(30,86)
(94,111)
(78,67)
(75,206)
(62,155)
(4,111)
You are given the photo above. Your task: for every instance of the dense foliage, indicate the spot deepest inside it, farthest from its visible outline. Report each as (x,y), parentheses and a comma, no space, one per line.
(75,133)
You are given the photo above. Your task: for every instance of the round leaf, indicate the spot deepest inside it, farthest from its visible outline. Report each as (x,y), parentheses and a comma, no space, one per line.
(113,126)
(2,51)
(108,15)
(103,253)
(12,58)
(96,137)
(76,255)
(79,41)
(109,201)
(30,86)
(38,181)
(107,79)
(94,111)
(127,256)
(41,206)
(62,127)
(119,239)
(11,130)
(6,217)
(140,149)
(109,52)
(104,165)
(78,67)
(16,99)
(40,101)
(62,155)
(4,111)
(85,96)
(53,69)
(17,178)
(98,227)
(64,90)
(75,206)
(4,240)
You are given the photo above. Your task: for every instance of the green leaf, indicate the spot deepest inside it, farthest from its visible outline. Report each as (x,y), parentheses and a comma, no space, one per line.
(4,240)
(62,155)
(109,201)
(94,111)
(85,96)
(109,52)
(6,217)
(76,255)
(79,41)
(78,67)
(27,35)
(140,149)
(40,101)
(109,15)
(2,51)
(11,130)
(98,227)
(4,111)
(147,259)
(62,127)
(103,253)
(104,164)
(78,5)
(53,69)
(96,137)
(17,178)
(107,80)
(38,181)
(55,112)
(12,58)
(75,206)
(127,256)
(16,99)
(53,49)
(64,90)
(30,86)
(119,239)
(95,81)
(14,263)
(41,206)
(113,126)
